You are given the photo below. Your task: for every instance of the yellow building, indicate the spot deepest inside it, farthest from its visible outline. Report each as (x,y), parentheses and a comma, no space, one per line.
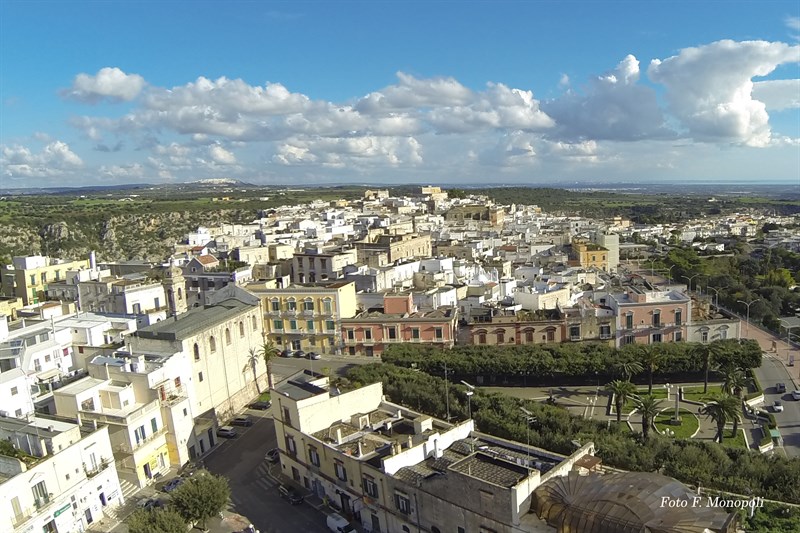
(27,277)
(590,255)
(306,316)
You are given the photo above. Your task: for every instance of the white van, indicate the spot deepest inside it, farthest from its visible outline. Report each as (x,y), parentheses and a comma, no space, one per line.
(339,524)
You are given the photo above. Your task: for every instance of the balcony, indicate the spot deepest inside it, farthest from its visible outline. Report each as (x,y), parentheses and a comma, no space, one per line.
(93,471)
(127,449)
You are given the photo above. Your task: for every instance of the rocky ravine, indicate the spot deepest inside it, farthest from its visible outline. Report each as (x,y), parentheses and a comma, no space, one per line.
(124,237)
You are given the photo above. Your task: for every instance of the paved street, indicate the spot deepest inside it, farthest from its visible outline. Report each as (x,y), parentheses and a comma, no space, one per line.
(773,371)
(253,490)
(283,367)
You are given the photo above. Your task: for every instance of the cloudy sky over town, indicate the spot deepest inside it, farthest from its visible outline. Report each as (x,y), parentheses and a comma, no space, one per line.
(537,92)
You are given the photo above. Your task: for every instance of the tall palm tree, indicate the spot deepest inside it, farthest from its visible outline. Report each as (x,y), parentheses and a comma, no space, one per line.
(720,410)
(252,360)
(621,390)
(647,406)
(734,381)
(708,352)
(628,369)
(651,358)
(267,352)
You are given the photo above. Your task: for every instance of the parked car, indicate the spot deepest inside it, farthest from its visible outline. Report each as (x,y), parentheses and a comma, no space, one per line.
(780,388)
(226,431)
(339,524)
(273,456)
(290,495)
(796,395)
(151,504)
(287,353)
(173,484)
(261,405)
(314,356)
(245,421)
(777,406)
(300,353)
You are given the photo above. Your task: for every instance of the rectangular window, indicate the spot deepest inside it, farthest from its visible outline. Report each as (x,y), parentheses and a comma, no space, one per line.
(678,336)
(403,503)
(290,445)
(629,321)
(656,319)
(308,305)
(628,339)
(368,334)
(341,473)
(37,365)
(293,325)
(438,333)
(656,337)
(154,424)
(678,317)
(200,376)
(14,391)
(575,333)
(329,325)
(44,278)
(276,305)
(528,336)
(327,306)
(292,305)
(501,337)
(33,279)
(415,333)
(277,324)
(351,334)
(370,487)
(47,358)
(704,336)
(392,331)
(309,325)
(605,332)
(723,334)
(313,456)
(40,495)
(551,335)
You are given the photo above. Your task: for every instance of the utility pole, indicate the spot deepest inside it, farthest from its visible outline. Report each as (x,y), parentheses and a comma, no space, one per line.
(446,392)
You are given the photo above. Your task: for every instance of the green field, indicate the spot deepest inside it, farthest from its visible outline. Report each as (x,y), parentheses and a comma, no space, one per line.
(689,423)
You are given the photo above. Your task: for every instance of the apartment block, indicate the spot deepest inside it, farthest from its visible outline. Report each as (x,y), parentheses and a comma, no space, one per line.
(57,475)
(321,265)
(306,316)
(500,328)
(28,277)
(128,296)
(394,470)
(398,321)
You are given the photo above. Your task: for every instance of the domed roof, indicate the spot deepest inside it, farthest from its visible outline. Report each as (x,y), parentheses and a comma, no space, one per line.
(625,502)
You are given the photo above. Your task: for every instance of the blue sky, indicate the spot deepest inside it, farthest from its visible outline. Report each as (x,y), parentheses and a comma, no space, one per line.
(534,92)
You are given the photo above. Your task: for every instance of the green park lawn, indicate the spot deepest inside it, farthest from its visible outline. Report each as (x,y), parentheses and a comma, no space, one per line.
(658,392)
(734,442)
(696,394)
(689,423)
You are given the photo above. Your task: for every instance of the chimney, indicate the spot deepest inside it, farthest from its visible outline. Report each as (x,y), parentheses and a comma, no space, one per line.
(338,435)
(360,450)
(437,452)
(410,441)
(92,260)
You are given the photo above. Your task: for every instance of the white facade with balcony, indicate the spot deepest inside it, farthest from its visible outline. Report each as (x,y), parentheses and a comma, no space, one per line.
(61,477)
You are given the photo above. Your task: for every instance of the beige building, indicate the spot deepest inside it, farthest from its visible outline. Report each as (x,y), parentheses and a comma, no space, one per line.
(493,215)
(395,470)
(391,248)
(27,277)
(306,316)
(322,265)
(61,476)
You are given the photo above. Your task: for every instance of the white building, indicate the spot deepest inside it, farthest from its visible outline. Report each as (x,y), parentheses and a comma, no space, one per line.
(62,478)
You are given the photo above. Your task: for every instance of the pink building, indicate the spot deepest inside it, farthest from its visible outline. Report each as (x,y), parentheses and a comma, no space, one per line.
(648,317)
(369,332)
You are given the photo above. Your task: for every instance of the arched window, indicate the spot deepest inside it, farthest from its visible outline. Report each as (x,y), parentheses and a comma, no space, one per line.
(212,344)
(180,294)
(227,336)
(241,328)
(196,352)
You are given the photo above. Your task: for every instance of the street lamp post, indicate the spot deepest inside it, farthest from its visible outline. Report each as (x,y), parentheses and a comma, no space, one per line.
(469,394)
(748,304)
(716,293)
(529,418)
(788,338)
(669,274)
(690,278)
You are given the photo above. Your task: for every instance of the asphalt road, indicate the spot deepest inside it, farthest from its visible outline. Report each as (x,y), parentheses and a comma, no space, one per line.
(771,372)
(283,367)
(254,493)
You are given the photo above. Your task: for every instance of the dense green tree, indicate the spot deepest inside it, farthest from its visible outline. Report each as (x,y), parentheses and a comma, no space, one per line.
(707,353)
(267,352)
(652,357)
(621,391)
(721,410)
(648,408)
(156,521)
(734,381)
(202,496)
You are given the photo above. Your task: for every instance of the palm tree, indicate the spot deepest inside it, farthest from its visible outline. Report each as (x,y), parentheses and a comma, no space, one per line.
(628,369)
(621,390)
(720,410)
(734,381)
(267,352)
(252,360)
(651,359)
(649,407)
(708,352)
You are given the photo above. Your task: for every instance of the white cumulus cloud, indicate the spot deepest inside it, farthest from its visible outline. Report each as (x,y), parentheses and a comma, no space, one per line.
(220,155)
(54,159)
(710,88)
(778,94)
(110,83)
